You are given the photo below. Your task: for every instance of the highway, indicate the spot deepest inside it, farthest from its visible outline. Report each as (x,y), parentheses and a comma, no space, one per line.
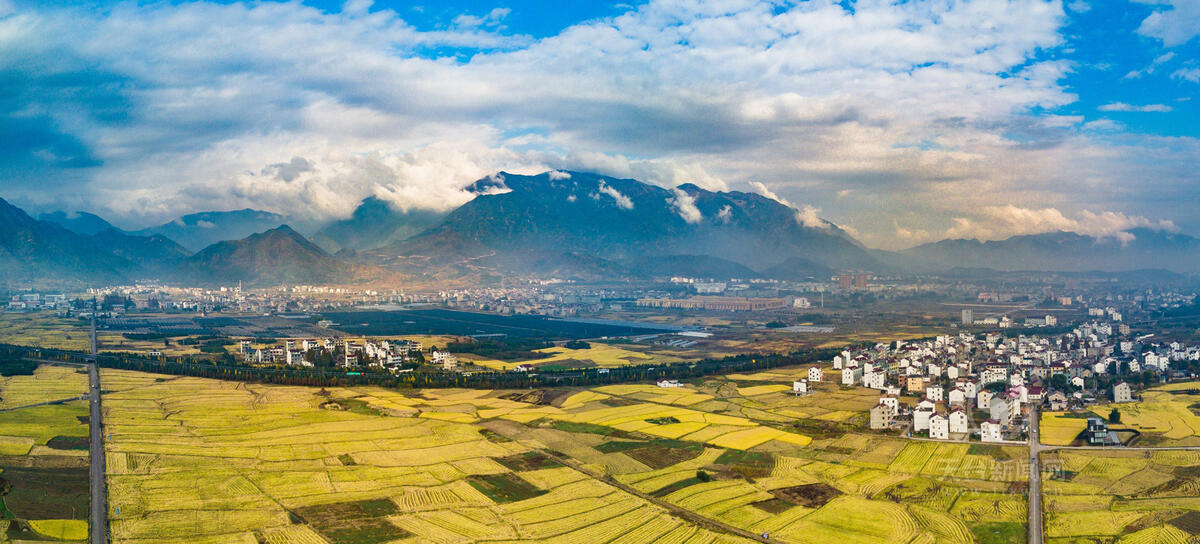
(99,521)
(1035,479)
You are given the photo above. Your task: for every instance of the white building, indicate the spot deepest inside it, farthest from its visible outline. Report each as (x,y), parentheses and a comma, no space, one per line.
(1122,393)
(851,374)
(939,427)
(934,392)
(959,422)
(891,402)
(800,387)
(990,431)
(875,380)
(814,374)
(993,374)
(669,383)
(448,360)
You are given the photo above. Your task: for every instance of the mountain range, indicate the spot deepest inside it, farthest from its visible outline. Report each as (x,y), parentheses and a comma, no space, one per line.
(37,253)
(590,226)
(557,224)
(200,230)
(1058,251)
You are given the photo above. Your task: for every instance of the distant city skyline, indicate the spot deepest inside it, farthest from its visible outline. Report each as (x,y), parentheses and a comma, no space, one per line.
(903,123)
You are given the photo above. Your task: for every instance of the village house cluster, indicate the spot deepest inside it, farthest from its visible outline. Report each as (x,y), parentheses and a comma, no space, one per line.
(349,354)
(986,386)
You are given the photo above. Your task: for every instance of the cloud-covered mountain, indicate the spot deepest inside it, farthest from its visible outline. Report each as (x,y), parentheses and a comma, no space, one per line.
(375,223)
(1057,251)
(199,230)
(588,225)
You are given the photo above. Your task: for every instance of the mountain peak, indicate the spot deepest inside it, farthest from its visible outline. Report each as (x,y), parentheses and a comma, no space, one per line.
(83,223)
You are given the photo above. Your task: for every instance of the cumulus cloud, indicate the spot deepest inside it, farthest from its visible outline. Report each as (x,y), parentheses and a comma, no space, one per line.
(1121,106)
(621,200)
(685,205)
(559,174)
(1175,25)
(999,222)
(935,107)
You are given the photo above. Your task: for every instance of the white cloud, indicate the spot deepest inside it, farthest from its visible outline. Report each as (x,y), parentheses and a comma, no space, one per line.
(1176,25)
(621,200)
(762,189)
(999,222)
(492,18)
(807,216)
(1121,106)
(933,108)
(685,205)
(1158,62)
(911,235)
(725,213)
(1187,74)
(559,174)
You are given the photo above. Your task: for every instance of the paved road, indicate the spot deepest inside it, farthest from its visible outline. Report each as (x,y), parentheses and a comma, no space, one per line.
(99,524)
(1035,478)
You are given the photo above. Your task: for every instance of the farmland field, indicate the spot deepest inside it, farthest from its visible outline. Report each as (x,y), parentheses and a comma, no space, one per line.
(1061,429)
(1165,416)
(598,354)
(283,464)
(44,330)
(1126,496)
(296,464)
(43,456)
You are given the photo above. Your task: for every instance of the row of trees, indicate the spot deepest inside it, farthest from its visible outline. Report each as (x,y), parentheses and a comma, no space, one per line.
(428,377)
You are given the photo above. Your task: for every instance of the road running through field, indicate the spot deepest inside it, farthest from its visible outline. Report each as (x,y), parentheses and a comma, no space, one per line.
(99,517)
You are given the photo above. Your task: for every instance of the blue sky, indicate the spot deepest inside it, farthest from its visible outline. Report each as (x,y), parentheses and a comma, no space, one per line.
(904,122)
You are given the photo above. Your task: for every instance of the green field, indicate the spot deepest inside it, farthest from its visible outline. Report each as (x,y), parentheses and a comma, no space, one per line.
(43,456)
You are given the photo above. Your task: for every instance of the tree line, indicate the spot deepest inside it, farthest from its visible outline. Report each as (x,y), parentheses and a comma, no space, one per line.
(429,377)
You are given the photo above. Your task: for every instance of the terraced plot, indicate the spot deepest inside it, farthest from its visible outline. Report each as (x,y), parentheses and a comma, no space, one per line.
(1125,496)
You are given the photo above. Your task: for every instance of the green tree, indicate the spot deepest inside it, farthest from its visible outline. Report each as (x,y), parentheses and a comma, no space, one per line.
(1114,416)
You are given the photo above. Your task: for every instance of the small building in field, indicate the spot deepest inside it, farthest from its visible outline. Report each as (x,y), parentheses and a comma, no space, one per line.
(882,417)
(991,431)
(815,374)
(1122,393)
